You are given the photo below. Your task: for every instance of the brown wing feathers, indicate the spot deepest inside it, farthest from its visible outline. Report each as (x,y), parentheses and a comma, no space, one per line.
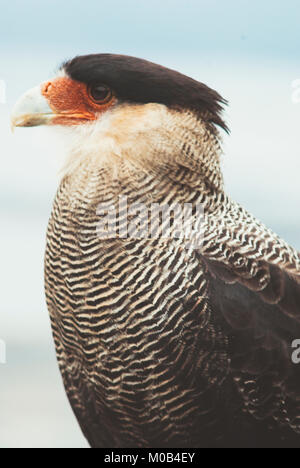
(261,326)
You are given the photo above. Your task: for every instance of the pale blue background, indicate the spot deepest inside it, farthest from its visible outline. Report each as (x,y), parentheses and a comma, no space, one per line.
(247,50)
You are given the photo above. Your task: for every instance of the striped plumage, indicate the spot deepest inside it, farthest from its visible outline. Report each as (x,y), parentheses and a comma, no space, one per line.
(160,345)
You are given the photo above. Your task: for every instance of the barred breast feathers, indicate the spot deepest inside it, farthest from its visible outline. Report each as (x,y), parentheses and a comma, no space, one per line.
(177,145)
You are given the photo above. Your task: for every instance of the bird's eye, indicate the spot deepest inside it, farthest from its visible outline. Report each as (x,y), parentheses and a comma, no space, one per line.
(100,93)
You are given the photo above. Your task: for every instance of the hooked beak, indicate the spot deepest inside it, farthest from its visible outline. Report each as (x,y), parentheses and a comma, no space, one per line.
(31,110)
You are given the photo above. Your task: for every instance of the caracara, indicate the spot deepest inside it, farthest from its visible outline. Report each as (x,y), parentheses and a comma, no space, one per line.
(162,341)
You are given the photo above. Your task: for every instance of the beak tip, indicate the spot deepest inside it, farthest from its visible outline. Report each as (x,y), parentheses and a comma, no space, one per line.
(31,110)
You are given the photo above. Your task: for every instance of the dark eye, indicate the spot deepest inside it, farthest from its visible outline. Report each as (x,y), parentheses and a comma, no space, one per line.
(100,93)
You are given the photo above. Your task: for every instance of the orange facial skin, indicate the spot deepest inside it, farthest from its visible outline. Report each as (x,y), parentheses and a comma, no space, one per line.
(71,102)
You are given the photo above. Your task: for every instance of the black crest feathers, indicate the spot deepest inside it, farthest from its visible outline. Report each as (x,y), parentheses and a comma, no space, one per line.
(137,80)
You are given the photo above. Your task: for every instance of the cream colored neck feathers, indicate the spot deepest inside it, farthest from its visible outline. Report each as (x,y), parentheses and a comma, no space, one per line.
(150,137)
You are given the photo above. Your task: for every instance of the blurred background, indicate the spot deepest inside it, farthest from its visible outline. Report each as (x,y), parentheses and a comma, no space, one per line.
(247,50)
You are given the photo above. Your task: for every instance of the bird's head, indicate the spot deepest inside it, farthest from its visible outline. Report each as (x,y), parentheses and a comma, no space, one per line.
(115,105)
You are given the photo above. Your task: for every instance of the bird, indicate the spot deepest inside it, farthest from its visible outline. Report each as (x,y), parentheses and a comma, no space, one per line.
(162,340)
